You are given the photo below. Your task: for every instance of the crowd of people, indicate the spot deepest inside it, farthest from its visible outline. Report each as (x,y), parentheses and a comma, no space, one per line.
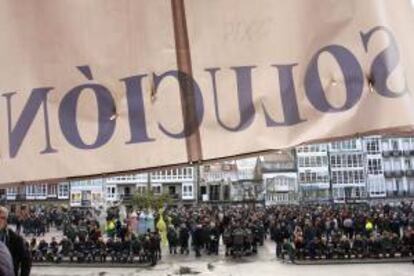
(323,232)
(241,230)
(190,229)
(38,221)
(299,232)
(130,250)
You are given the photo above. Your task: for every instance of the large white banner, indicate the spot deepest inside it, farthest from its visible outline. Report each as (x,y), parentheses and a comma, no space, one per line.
(91,87)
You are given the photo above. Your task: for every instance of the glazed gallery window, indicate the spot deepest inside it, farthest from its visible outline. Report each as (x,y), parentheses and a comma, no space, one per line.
(375,166)
(313,177)
(313,161)
(63,190)
(373,146)
(347,160)
(348,177)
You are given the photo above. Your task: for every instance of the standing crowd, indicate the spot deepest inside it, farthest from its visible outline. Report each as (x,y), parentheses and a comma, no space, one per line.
(299,233)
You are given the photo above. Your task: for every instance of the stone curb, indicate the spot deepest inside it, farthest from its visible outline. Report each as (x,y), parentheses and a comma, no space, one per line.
(354,261)
(91,265)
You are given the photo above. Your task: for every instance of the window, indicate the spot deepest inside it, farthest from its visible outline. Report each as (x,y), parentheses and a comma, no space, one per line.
(346,178)
(175,173)
(376,186)
(30,190)
(311,161)
(335,161)
(40,190)
(52,190)
(372,146)
(76,197)
(189,173)
(374,166)
(396,164)
(63,190)
(324,161)
(141,189)
(361,177)
(313,177)
(334,177)
(350,161)
(394,144)
(347,161)
(301,161)
(385,145)
(387,165)
(187,190)
(156,189)
(111,192)
(302,177)
(355,161)
(407,144)
(400,187)
(407,164)
(11,191)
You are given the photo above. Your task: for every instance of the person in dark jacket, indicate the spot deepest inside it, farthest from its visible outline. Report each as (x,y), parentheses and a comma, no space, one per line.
(198,239)
(184,237)
(172,237)
(277,236)
(6,262)
(18,248)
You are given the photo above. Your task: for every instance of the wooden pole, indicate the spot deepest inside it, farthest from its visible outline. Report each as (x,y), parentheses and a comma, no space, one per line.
(182,47)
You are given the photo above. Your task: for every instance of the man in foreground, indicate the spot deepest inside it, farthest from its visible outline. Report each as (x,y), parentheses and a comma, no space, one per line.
(16,245)
(6,262)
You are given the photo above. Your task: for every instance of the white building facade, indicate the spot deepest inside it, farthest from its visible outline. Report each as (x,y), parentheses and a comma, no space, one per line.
(38,191)
(398,159)
(313,172)
(281,188)
(217,181)
(87,193)
(179,183)
(347,170)
(279,175)
(375,181)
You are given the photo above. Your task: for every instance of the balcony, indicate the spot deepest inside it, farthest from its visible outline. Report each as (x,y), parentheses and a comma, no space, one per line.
(392,153)
(395,173)
(397,153)
(386,154)
(409,173)
(21,197)
(399,173)
(175,196)
(407,153)
(279,166)
(126,197)
(388,174)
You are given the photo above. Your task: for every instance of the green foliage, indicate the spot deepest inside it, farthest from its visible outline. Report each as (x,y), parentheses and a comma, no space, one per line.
(149,200)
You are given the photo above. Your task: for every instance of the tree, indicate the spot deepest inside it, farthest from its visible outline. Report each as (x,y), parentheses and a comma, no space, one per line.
(149,200)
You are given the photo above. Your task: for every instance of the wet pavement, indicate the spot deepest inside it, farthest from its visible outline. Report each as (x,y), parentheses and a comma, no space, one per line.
(257,268)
